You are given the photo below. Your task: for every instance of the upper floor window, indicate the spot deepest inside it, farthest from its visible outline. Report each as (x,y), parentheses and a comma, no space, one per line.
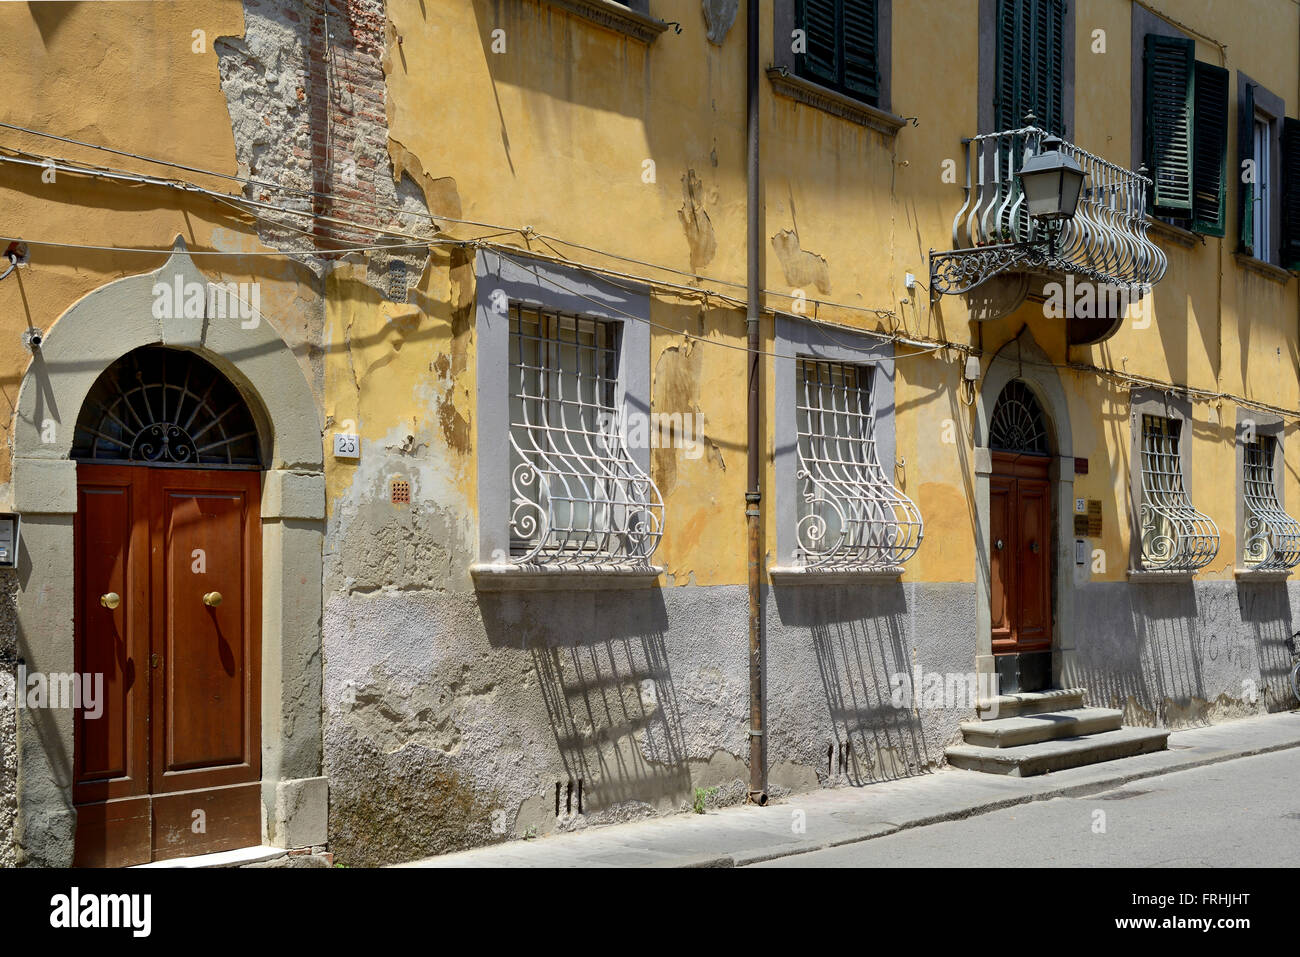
(1175,536)
(1030,71)
(850,515)
(1185,126)
(841,46)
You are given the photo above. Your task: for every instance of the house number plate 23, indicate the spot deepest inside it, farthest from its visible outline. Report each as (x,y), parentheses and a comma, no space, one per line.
(346,446)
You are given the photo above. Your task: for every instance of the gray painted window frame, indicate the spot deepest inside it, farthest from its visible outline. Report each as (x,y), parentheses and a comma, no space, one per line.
(533,282)
(629,17)
(1273,107)
(988,64)
(796,339)
(1273,426)
(783,56)
(1149,401)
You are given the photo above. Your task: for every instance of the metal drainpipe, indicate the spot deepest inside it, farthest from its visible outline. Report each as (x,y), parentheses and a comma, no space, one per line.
(753,493)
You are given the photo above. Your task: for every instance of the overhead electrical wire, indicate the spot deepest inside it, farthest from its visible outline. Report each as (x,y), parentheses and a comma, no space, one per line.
(926,346)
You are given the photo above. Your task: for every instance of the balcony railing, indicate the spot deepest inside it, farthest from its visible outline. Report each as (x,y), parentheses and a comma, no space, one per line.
(1105,242)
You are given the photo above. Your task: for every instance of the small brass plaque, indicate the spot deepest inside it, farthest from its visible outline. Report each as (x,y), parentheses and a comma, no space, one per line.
(1094,518)
(1080,525)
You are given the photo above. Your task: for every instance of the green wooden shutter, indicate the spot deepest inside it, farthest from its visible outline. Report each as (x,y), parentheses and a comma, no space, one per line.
(1291,193)
(1170,67)
(1246,154)
(1210,149)
(1006,99)
(821,60)
(861,62)
(1030,64)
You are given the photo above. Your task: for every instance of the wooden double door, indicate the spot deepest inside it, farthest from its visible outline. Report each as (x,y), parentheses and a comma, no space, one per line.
(168,611)
(1020,559)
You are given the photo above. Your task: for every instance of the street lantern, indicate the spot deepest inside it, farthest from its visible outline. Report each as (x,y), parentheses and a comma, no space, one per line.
(1051,182)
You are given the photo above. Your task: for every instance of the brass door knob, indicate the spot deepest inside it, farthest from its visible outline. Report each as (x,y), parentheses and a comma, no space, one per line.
(110,600)
(212,599)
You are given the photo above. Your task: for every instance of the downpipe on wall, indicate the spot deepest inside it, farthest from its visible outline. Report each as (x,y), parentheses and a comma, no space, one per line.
(753,491)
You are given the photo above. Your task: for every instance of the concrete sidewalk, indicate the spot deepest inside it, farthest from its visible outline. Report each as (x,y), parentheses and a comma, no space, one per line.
(737,836)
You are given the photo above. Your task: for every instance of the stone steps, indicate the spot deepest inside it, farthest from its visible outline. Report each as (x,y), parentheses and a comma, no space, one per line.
(1058,753)
(1031,702)
(1038,732)
(1033,728)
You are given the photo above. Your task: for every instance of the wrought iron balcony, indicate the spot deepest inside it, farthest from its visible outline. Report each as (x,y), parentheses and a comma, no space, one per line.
(1105,242)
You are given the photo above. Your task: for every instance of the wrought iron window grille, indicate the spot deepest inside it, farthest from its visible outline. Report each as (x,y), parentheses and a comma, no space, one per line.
(166,407)
(577,497)
(1271,537)
(1105,242)
(1175,535)
(850,514)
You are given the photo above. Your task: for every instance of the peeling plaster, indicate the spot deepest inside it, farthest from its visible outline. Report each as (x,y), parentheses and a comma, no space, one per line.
(720,15)
(802,268)
(695,221)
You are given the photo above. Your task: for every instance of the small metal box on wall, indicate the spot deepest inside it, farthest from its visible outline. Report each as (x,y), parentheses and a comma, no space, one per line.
(10,523)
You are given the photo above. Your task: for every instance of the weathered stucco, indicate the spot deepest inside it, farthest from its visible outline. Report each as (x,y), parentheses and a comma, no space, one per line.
(447,712)
(8,716)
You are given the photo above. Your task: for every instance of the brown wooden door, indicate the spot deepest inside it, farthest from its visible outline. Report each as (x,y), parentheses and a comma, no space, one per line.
(1020,534)
(171,767)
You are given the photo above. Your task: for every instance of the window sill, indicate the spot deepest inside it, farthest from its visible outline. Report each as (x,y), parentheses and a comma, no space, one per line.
(1265,269)
(616,17)
(488,577)
(1150,576)
(798,575)
(809,93)
(1262,575)
(1183,237)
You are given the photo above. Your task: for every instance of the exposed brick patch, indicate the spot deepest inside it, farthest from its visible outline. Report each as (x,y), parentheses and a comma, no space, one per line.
(307,97)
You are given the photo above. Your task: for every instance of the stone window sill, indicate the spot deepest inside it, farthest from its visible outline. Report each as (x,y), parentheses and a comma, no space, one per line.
(798,575)
(1262,575)
(616,17)
(1183,237)
(1265,269)
(1156,577)
(489,577)
(809,93)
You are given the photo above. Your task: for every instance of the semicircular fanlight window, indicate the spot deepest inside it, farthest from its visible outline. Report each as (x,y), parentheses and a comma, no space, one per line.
(168,407)
(1018,423)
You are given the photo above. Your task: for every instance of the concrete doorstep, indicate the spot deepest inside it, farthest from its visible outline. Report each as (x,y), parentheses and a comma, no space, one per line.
(733,837)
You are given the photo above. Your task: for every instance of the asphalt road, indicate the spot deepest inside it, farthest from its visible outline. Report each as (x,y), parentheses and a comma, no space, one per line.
(1240,813)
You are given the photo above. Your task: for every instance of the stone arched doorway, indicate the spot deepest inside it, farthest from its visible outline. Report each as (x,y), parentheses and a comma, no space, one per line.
(1024,484)
(81,346)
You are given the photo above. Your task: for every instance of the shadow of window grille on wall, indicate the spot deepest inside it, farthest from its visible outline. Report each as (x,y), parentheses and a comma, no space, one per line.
(850,514)
(1175,535)
(167,407)
(1272,537)
(577,497)
(1018,423)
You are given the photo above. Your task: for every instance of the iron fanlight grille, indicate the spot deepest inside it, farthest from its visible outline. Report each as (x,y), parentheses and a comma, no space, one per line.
(167,407)
(850,514)
(578,498)
(1175,535)
(1017,423)
(1271,536)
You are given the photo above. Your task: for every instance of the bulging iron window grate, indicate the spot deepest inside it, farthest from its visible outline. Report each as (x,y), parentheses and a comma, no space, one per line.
(850,514)
(1271,536)
(577,497)
(160,406)
(1175,535)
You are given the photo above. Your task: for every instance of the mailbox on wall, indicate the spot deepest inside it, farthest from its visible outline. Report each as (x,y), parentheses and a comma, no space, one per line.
(9,523)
